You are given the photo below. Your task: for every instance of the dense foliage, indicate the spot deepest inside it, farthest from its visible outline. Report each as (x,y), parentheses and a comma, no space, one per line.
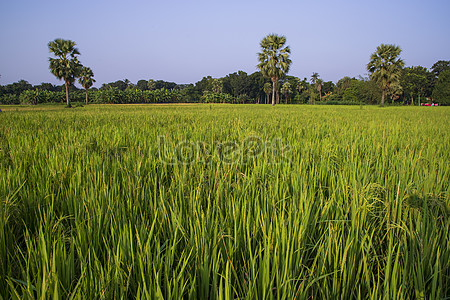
(418,85)
(344,203)
(442,88)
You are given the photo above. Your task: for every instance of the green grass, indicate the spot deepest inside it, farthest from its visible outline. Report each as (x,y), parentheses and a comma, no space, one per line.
(359,207)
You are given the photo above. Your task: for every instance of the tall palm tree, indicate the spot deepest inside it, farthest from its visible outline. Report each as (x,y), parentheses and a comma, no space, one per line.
(274,59)
(317,83)
(86,79)
(314,77)
(385,67)
(66,65)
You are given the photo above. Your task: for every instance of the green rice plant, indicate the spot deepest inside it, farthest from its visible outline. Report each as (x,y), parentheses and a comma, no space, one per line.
(223,201)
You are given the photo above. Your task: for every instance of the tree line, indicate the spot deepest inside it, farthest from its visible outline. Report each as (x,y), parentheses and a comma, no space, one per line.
(389,81)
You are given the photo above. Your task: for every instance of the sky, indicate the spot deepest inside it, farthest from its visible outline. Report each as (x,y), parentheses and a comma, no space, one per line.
(183,41)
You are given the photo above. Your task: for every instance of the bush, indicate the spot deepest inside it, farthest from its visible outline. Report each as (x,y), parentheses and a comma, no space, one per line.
(441,92)
(9,99)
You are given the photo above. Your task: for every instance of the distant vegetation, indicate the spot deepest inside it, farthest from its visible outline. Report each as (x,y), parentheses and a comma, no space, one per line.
(418,85)
(388,82)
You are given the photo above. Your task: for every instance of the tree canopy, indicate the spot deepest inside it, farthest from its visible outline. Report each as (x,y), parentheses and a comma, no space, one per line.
(86,79)
(66,65)
(385,67)
(441,91)
(274,61)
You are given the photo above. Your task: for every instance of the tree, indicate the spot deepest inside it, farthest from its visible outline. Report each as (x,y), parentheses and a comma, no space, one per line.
(17,87)
(328,87)
(417,81)
(343,84)
(255,86)
(314,77)
(394,91)
(142,85)
(312,95)
(217,85)
(86,79)
(66,65)
(286,90)
(277,92)
(385,67)
(128,83)
(317,83)
(274,59)
(119,84)
(236,83)
(367,90)
(441,92)
(440,66)
(151,84)
(301,85)
(47,87)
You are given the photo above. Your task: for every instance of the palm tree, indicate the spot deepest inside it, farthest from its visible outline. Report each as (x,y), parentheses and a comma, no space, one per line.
(86,79)
(128,84)
(286,90)
(277,91)
(314,77)
(267,90)
(385,67)
(66,65)
(319,84)
(274,59)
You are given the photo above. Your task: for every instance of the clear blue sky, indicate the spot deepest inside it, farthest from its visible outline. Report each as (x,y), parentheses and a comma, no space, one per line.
(183,41)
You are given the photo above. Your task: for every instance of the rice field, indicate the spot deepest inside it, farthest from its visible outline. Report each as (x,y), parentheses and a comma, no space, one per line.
(224,202)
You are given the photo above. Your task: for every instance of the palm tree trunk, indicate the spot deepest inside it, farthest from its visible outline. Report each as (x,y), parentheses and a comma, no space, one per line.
(67,93)
(86,97)
(273,92)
